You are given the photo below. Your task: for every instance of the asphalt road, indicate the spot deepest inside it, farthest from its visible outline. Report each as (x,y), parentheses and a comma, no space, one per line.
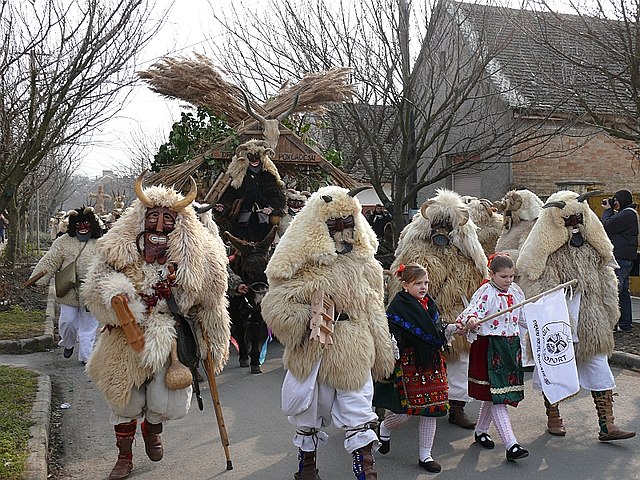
(261,445)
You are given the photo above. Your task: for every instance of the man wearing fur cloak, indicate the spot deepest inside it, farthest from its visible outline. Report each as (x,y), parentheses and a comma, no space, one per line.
(254,201)
(295,202)
(443,239)
(569,242)
(157,251)
(328,251)
(76,323)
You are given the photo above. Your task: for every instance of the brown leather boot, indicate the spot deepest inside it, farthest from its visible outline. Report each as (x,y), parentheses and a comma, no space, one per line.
(555,425)
(457,415)
(151,436)
(364,463)
(306,466)
(604,407)
(125,433)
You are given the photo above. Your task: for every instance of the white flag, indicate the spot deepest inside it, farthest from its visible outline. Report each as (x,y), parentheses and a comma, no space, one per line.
(552,345)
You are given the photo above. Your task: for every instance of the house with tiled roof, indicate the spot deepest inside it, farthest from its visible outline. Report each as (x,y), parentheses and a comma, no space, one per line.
(533,70)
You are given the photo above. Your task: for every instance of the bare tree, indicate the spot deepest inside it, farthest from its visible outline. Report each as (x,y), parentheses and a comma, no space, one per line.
(427,105)
(596,53)
(64,70)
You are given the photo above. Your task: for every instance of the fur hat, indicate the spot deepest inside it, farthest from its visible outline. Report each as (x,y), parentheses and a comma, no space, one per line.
(307,240)
(237,169)
(550,233)
(446,205)
(84,214)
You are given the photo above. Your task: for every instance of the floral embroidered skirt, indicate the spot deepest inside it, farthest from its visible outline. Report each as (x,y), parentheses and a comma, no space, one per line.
(414,391)
(495,370)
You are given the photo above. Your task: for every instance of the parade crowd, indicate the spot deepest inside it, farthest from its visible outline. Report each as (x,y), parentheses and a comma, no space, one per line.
(366,349)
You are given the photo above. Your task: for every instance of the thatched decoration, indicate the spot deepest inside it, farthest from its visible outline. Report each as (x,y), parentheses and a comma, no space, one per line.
(197,82)
(316,91)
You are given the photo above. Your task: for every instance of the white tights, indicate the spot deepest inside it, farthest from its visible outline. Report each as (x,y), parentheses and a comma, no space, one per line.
(498,414)
(426,431)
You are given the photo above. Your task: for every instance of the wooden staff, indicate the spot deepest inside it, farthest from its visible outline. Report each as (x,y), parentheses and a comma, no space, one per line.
(34,279)
(213,388)
(529,300)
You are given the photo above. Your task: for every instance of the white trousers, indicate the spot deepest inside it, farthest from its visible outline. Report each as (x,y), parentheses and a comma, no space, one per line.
(154,401)
(349,410)
(76,324)
(593,374)
(458,378)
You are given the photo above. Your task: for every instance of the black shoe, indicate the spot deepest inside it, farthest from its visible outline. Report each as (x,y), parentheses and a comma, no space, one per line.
(255,369)
(516,453)
(385,446)
(430,466)
(485,440)
(67,352)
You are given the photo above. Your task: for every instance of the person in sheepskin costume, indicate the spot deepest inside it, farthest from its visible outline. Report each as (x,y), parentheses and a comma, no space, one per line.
(295,202)
(520,209)
(488,221)
(157,250)
(443,239)
(569,242)
(329,247)
(255,200)
(79,245)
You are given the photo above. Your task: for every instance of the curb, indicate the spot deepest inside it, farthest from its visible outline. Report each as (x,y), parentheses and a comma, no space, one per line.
(40,343)
(625,359)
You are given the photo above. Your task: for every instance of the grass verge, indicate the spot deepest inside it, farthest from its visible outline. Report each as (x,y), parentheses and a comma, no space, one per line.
(17,323)
(18,389)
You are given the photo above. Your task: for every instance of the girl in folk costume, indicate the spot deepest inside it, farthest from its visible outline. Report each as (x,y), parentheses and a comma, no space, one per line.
(495,364)
(78,245)
(419,381)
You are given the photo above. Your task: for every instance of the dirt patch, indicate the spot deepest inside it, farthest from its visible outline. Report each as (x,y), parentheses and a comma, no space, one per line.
(12,292)
(628,342)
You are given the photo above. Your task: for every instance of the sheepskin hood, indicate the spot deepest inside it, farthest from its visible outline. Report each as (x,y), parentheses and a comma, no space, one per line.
(446,205)
(186,243)
(307,240)
(521,205)
(550,233)
(237,169)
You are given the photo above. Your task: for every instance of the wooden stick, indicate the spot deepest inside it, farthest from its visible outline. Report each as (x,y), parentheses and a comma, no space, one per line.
(213,388)
(33,280)
(529,300)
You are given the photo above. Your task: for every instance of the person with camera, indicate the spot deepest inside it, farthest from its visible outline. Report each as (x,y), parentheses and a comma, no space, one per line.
(620,221)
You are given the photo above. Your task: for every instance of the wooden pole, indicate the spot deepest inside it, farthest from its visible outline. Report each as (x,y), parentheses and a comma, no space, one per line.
(213,388)
(529,300)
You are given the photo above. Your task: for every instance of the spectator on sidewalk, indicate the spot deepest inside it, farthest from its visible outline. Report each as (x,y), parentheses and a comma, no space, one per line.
(378,219)
(620,221)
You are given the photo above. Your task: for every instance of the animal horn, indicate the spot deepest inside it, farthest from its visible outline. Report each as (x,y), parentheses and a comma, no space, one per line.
(137,186)
(582,197)
(284,115)
(559,204)
(191,196)
(425,205)
(237,243)
(464,215)
(204,209)
(354,191)
(247,106)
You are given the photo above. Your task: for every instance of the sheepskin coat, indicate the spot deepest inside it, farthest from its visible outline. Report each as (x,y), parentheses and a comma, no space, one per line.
(547,260)
(455,270)
(62,252)
(304,261)
(488,221)
(200,288)
(521,209)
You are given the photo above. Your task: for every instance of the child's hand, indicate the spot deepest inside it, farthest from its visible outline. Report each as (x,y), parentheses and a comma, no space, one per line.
(470,324)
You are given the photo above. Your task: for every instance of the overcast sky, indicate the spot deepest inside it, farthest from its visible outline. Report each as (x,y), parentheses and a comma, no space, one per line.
(146,113)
